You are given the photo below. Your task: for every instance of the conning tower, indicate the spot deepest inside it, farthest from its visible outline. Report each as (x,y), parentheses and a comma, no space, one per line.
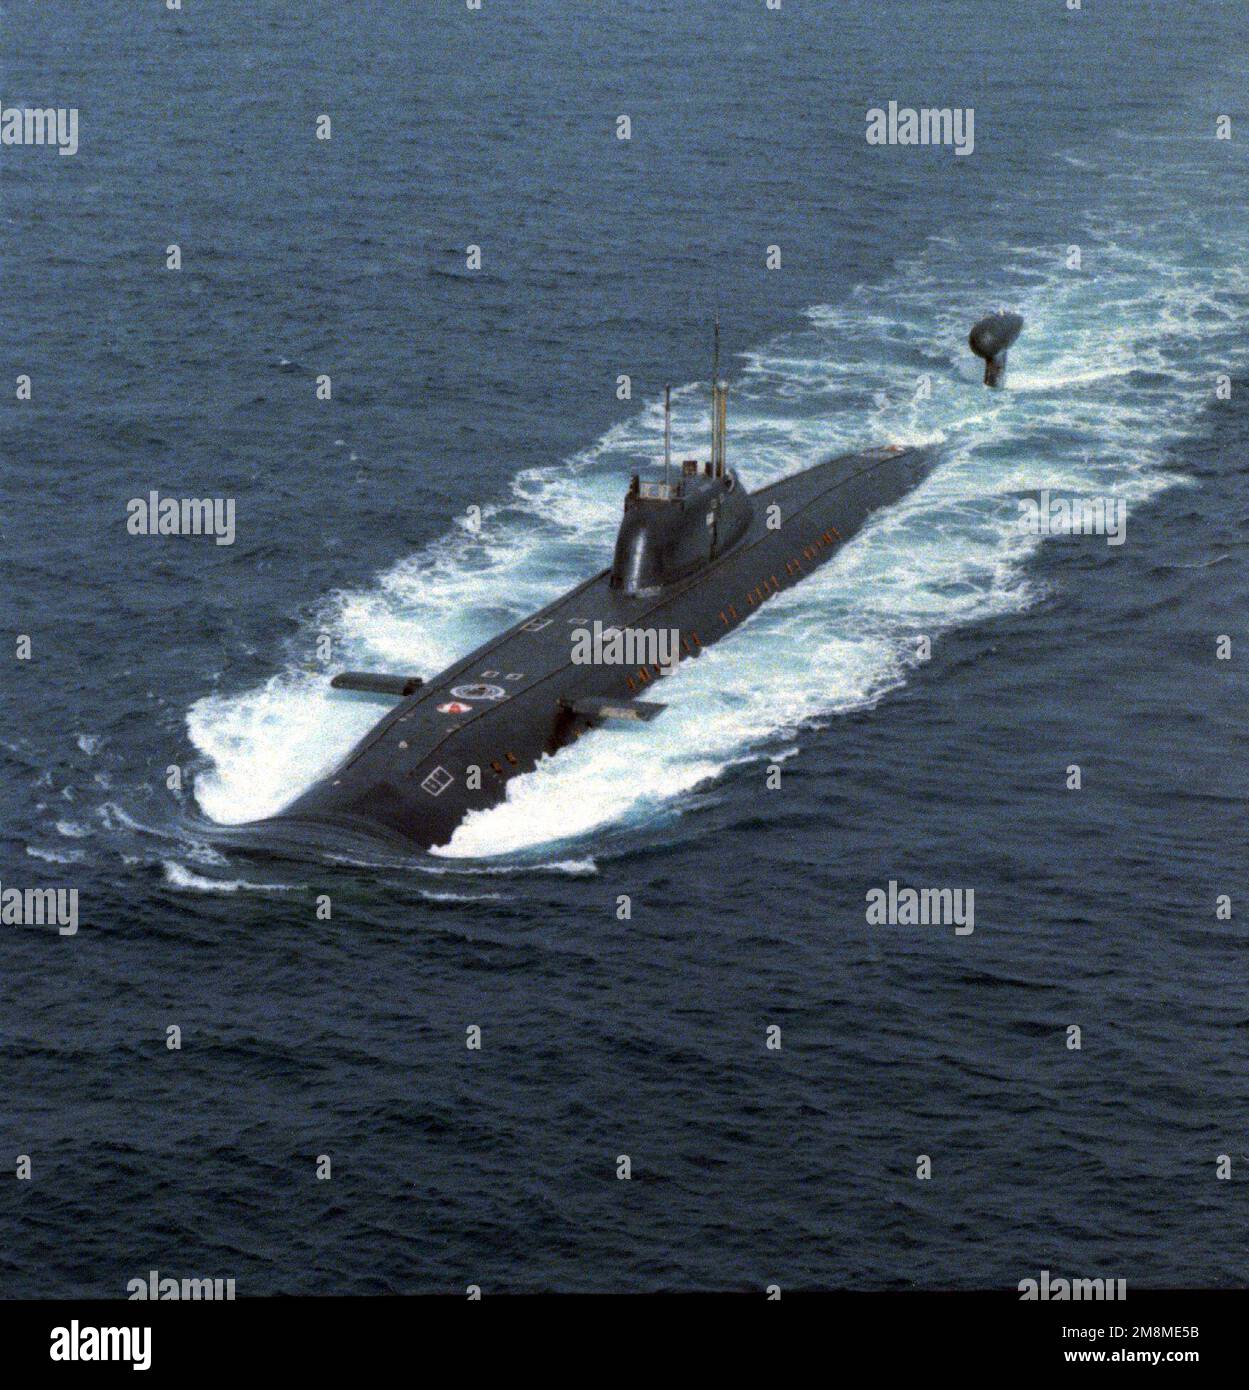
(671,530)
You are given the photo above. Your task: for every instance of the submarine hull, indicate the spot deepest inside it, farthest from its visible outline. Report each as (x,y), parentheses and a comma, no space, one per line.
(453,746)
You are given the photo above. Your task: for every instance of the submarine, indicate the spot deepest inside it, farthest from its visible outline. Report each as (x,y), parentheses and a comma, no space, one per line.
(696,556)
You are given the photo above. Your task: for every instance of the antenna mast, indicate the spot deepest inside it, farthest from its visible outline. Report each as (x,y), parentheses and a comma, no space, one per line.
(715,404)
(724,412)
(667,437)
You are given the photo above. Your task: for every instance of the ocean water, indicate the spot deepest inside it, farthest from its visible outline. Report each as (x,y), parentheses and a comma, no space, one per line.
(496,389)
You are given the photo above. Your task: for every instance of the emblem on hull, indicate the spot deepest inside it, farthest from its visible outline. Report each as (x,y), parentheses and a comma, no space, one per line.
(478,692)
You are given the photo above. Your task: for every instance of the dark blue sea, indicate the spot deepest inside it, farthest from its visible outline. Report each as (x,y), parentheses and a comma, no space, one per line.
(1099,201)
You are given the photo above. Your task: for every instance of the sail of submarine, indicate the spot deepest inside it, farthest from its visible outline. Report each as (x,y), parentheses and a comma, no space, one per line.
(695,557)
